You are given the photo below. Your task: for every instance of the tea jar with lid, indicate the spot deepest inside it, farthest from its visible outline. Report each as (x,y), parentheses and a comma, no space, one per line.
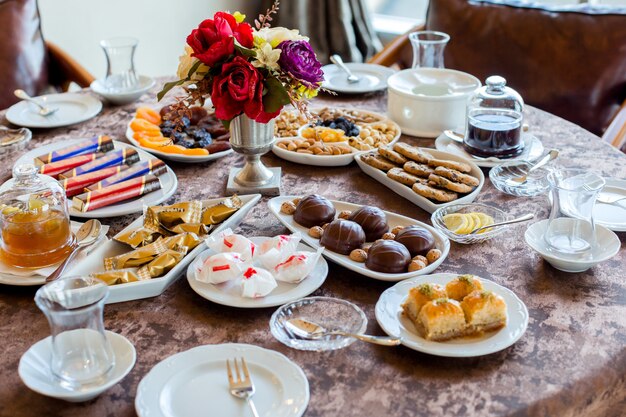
(494,120)
(34,220)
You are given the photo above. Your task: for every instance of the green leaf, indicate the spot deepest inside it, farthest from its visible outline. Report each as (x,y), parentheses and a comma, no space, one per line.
(248,53)
(167,87)
(276,95)
(193,69)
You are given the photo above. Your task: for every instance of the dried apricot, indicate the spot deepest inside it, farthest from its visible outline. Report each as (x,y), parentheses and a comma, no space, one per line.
(141,125)
(151,115)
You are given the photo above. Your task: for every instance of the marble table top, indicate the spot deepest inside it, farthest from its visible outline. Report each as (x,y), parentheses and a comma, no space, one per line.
(570,362)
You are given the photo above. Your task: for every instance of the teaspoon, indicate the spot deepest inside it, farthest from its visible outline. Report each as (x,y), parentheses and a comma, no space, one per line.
(309,330)
(88,233)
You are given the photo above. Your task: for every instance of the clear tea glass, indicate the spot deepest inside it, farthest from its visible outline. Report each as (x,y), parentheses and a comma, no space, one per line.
(120,53)
(428,47)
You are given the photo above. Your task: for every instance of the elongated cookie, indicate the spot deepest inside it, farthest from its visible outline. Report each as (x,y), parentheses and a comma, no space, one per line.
(449,185)
(392,155)
(457,176)
(412,152)
(377,161)
(459,166)
(434,193)
(403,177)
(421,170)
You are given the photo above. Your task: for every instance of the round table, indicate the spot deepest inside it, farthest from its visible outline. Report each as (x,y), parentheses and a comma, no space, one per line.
(570,362)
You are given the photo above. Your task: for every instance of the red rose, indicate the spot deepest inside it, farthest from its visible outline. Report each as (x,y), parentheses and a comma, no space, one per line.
(239,89)
(214,39)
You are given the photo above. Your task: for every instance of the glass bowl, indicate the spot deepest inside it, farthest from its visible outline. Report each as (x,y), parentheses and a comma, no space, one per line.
(13,140)
(537,182)
(497,214)
(330,313)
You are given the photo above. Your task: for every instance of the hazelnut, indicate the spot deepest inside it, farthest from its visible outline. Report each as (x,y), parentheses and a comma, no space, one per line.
(433,255)
(358,255)
(416,266)
(288,207)
(396,229)
(344,214)
(389,236)
(421,258)
(316,232)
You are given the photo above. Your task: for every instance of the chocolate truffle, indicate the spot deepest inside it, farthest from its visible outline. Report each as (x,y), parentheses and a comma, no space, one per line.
(388,256)
(416,239)
(343,236)
(372,220)
(314,210)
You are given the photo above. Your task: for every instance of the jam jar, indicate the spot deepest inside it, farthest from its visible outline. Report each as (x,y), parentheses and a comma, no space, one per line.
(494,121)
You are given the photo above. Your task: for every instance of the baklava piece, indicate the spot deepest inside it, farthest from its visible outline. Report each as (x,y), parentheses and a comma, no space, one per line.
(441,319)
(420,295)
(463,285)
(484,311)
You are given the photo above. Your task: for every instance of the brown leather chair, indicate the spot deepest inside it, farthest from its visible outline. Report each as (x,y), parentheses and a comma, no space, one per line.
(27,61)
(568,61)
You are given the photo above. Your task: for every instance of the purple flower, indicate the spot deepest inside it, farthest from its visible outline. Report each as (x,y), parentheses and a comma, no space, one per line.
(298,59)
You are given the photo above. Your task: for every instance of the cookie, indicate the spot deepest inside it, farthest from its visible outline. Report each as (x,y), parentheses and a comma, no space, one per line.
(377,161)
(403,177)
(457,176)
(459,166)
(433,193)
(392,155)
(412,152)
(449,185)
(421,170)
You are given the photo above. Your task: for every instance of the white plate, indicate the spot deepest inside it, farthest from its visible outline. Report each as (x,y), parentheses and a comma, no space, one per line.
(173,156)
(230,295)
(533,148)
(372,77)
(144,83)
(169,183)
(155,286)
(73,108)
(422,202)
(34,369)
(612,216)
(441,242)
(394,323)
(194,384)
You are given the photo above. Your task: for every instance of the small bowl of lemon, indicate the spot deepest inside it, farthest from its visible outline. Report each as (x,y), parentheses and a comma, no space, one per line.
(457,221)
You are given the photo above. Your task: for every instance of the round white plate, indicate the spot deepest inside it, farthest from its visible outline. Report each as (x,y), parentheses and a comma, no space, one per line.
(34,369)
(169,183)
(612,216)
(144,83)
(230,295)
(533,148)
(73,108)
(394,323)
(194,383)
(372,78)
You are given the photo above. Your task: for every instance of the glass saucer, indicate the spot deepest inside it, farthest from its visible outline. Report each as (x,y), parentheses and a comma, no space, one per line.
(502,176)
(330,313)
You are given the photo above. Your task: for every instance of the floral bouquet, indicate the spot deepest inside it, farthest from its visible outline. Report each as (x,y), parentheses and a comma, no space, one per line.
(244,70)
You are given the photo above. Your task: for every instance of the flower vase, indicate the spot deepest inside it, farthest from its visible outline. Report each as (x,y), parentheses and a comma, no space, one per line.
(253,139)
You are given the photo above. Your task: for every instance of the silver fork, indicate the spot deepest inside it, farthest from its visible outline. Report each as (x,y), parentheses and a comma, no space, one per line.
(242,386)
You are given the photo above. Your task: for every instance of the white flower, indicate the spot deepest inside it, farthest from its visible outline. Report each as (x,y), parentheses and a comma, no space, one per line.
(267,57)
(276,35)
(186,62)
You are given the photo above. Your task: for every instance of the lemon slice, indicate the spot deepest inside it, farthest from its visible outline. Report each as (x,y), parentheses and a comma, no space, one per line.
(456,222)
(478,221)
(37,204)
(471,224)
(485,220)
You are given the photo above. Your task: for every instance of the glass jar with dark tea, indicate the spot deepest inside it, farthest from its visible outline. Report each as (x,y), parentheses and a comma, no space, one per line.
(494,121)
(34,220)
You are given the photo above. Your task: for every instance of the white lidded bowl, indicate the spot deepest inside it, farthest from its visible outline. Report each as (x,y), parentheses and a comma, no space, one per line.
(426,101)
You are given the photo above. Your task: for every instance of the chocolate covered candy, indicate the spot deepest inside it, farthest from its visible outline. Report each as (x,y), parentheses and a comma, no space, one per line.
(314,210)
(416,239)
(388,256)
(372,220)
(343,236)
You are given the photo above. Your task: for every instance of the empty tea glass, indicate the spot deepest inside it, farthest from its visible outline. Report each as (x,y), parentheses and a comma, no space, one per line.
(428,47)
(82,356)
(571,232)
(120,53)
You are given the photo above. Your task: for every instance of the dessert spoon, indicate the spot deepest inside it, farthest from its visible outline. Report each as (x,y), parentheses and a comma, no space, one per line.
(88,233)
(306,329)
(43,110)
(546,158)
(336,59)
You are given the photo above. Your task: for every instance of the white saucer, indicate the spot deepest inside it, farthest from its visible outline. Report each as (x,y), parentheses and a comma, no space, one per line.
(230,295)
(194,384)
(608,244)
(144,83)
(533,148)
(34,369)
(372,78)
(612,216)
(73,108)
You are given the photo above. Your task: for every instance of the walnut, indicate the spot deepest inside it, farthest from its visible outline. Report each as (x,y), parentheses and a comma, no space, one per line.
(433,255)
(358,255)
(316,232)
(288,207)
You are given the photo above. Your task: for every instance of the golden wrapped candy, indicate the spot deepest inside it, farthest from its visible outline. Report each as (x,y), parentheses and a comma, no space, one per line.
(164,218)
(221,211)
(163,263)
(138,237)
(197,228)
(116,277)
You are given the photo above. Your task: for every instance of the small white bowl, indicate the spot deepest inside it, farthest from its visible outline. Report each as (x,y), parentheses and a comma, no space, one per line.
(427,101)
(607,246)
(144,83)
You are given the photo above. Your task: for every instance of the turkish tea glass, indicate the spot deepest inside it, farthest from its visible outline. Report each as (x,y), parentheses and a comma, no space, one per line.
(428,47)
(120,54)
(571,231)
(82,356)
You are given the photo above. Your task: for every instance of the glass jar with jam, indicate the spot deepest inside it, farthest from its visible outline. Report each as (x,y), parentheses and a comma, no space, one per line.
(494,121)
(34,220)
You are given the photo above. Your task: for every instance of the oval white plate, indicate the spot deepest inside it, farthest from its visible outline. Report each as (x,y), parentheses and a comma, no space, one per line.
(441,242)
(73,108)
(34,369)
(532,150)
(194,384)
(231,295)
(422,202)
(372,77)
(612,216)
(169,183)
(173,156)
(390,317)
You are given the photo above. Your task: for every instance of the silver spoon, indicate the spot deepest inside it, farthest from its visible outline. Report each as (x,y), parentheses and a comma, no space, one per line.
(523,218)
(88,233)
(336,59)
(309,330)
(43,110)
(546,158)
(455,136)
